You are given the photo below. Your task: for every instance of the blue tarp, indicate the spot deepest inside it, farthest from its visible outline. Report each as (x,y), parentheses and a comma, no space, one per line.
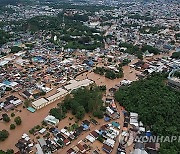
(107,119)
(85,127)
(6,82)
(115,124)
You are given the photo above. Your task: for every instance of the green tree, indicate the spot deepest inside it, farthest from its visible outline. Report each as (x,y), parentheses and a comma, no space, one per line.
(80,112)
(18,120)
(15,49)
(100,139)
(109,59)
(26,103)
(157,105)
(12,126)
(176,55)
(12,114)
(98,113)
(6,118)
(10,151)
(3,135)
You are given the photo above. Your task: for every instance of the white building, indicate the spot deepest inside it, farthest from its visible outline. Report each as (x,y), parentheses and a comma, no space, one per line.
(74,84)
(40,103)
(51,120)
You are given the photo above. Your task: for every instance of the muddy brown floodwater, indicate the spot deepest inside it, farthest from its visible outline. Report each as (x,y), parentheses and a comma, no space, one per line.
(29,120)
(129,73)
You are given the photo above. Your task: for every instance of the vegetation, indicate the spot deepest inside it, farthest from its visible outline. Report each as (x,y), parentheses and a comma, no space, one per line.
(12,126)
(139,17)
(8,88)
(177,36)
(131,49)
(98,113)
(150,30)
(18,120)
(35,128)
(9,151)
(108,73)
(159,112)
(3,135)
(135,50)
(42,93)
(81,101)
(12,114)
(150,49)
(73,127)
(100,139)
(15,49)
(58,113)
(125,62)
(75,34)
(176,55)
(102,88)
(6,118)
(80,112)
(4,37)
(27,103)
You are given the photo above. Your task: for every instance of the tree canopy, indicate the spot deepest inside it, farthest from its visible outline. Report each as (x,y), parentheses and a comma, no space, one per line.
(18,120)
(108,73)
(176,55)
(81,101)
(157,105)
(3,135)
(4,37)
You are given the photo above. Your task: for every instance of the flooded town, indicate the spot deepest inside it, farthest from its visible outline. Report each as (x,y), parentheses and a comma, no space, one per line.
(74,76)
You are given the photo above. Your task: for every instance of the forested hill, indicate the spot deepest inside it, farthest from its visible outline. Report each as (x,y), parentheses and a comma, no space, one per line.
(157,105)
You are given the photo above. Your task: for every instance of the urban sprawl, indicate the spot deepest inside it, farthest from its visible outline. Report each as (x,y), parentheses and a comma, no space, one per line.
(67,69)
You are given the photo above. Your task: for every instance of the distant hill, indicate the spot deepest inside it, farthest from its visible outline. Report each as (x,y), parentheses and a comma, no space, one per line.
(13,2)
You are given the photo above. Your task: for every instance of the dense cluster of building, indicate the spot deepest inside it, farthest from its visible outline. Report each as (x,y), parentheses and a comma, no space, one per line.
(21,12)
(42,72)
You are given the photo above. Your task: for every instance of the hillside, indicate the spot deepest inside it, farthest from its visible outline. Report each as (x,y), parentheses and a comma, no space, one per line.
(158,106)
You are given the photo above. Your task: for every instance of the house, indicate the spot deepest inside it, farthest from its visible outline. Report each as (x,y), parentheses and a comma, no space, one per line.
(86,124)
(110,133)
(42,131)
(39,149)
(109,142)
(14,100)
(81,148)
(109,100)
(74,84)
(134,119)
(111,113)
(78,131)
(40,103)
(70,151)
(65,132)
(26,94)
(51,120)
(90,138)
(94,134)
(115,124)
(61,93)
(107,148)
(42,142)
(66,142)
